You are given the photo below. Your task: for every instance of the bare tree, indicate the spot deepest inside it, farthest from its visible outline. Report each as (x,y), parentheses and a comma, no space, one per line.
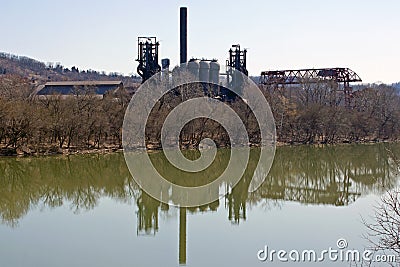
(384,230)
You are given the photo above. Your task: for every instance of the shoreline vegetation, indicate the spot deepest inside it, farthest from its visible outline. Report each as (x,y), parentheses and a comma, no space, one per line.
(56,151)
(314,113)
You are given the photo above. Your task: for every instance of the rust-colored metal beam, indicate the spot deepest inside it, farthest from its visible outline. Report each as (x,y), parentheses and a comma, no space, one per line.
(282,77)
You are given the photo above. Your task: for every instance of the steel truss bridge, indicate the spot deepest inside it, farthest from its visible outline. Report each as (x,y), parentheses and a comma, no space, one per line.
(344,76)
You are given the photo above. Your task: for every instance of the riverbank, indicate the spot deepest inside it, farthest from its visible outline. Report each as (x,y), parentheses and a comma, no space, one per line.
(54,150)
(49,151)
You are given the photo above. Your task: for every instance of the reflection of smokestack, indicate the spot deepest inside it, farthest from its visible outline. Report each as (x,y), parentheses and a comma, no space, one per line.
(183,35)
(182,236)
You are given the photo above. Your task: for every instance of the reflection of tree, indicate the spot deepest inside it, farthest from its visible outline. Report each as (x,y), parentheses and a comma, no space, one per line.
(236,201)
(327,175)
(334,175)
(316,175)
(374,167)
(331,175)
(147,214)
(12,205)
(50,182)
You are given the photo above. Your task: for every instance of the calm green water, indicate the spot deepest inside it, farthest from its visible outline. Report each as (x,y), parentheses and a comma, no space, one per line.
(88,211)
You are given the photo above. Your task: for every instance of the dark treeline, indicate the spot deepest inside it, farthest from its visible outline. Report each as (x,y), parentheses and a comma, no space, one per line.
(317,113)
(313,113)
(47,124)
(307,114)
(200,128)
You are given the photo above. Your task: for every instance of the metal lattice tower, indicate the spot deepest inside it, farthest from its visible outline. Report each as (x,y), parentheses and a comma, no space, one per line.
(237,59)
(147,57)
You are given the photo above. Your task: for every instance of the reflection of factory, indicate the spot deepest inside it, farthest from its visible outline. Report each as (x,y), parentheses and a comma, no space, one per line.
(328,176)
(334,178)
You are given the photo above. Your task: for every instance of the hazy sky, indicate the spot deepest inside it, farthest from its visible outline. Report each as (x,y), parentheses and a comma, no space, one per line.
(286,34)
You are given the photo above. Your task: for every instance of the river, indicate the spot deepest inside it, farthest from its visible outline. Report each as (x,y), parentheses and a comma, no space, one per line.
(86,210)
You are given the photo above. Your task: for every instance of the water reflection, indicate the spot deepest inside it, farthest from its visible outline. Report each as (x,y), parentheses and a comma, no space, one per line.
(330,175)
(79,182)
(335,176)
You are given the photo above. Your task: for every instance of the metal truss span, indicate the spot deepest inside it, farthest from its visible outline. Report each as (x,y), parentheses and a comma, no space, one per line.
(282,77)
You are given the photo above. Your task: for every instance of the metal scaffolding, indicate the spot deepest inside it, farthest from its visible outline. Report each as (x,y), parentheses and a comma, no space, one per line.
(237,59)
(147,57)
(290,77)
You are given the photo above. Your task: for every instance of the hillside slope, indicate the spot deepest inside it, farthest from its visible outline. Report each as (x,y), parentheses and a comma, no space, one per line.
(39,72)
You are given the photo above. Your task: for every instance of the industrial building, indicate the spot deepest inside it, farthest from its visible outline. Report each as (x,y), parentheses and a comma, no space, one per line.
(209,71)
(79,88)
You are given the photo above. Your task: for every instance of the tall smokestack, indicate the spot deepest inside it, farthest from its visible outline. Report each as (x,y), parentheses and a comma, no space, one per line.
(183,36)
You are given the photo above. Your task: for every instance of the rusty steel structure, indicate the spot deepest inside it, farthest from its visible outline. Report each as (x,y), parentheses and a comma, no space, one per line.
(281,77)
(147,57)
(238,59)
(148,53)
(343,76)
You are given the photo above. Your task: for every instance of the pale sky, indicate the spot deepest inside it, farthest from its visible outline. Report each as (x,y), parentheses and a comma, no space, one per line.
(286,34)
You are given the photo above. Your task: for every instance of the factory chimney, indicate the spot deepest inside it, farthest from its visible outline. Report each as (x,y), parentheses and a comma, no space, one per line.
(183,34)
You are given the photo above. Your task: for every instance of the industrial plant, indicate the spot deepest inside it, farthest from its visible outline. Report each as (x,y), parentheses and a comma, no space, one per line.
(210,73)
(209,70)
